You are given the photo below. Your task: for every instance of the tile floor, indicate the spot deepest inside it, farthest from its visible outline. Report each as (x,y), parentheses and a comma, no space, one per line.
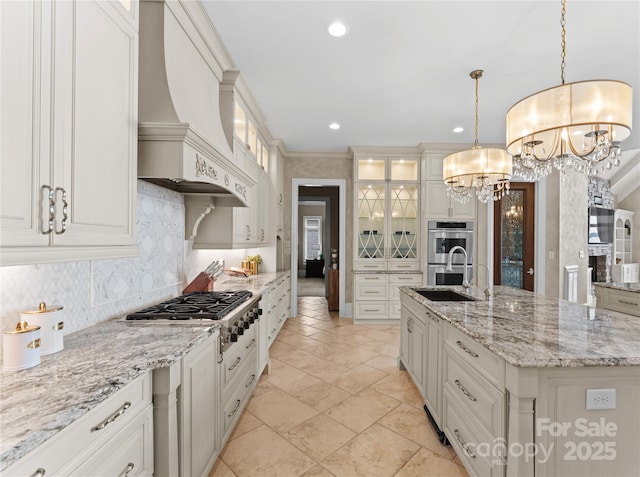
(335,404)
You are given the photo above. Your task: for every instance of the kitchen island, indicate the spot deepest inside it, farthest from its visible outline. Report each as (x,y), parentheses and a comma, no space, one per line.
(98,363)
(523,384)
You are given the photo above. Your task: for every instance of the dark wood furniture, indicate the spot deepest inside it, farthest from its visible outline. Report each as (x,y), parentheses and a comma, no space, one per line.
(314,268)
(333,299)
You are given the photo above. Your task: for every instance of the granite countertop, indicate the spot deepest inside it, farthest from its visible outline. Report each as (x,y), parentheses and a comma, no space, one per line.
(630,287)
(530,330)
(96,362)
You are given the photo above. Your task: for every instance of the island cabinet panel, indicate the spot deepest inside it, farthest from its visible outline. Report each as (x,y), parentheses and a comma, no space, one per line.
(588,442)
(115,436)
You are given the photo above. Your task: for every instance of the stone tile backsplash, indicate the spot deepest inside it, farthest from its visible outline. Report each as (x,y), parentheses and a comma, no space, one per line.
(98,290)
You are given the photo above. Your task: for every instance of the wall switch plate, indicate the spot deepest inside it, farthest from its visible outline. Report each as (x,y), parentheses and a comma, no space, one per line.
(601,399)
(581,254)
(552,255)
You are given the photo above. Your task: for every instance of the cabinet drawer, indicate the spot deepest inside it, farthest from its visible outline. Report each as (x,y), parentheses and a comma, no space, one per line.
(53,455)
(404,266)
(398,280)
(624,302)
(372,291)
(238,354)
(368,278)
(129,453)
(465,437)
(371,310)
(370,266)
(482,400)
(480,358)
(235,402)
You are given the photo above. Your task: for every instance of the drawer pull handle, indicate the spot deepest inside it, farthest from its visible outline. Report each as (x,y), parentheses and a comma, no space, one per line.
(627,303)
(371,311)
(250,345)
(58,326)
(253,378)
(462,443)
(127,469)
(465,349)
(372,292)
(434,318)
(39,472)
(112,418)
(236,409)
(235,363)
(464,391)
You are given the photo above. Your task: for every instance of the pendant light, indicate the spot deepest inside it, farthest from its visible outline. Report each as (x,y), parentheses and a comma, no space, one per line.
(571,126)
(485,171)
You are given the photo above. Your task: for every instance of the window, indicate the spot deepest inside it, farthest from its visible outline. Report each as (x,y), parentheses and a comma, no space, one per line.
(312,237)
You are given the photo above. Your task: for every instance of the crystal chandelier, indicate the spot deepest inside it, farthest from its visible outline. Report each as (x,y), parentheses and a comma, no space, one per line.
(485,171)
(571,126)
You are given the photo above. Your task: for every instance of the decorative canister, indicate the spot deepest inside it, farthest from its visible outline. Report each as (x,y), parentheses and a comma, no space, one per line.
(51,321)
(21,347)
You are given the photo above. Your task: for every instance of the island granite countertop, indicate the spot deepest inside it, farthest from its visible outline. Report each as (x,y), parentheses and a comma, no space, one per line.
(37,403)
(530,330)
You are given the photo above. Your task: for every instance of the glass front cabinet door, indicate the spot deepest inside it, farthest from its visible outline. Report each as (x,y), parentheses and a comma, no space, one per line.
(387,201)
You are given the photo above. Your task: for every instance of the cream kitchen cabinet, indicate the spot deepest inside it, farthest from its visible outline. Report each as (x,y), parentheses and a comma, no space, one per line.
(412,335)
(387,218)
(276,309)
(436,202)
(623,230)
(114,438)
(429,381)
(186,412)
(377,297)
(69,130)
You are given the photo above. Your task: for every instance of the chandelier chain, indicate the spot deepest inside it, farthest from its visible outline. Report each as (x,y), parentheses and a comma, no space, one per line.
(563,55)
(476,78)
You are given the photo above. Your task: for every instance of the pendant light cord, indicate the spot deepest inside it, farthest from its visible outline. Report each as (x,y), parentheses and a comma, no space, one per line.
(563,55)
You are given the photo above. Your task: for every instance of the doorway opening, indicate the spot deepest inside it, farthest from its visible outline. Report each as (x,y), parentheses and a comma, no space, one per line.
(331,195)
(514,237)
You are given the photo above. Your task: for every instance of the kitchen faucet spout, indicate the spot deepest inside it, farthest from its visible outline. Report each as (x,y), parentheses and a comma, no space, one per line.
(465,282)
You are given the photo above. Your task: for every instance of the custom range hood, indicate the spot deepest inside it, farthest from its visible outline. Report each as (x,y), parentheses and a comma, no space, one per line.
(181,139)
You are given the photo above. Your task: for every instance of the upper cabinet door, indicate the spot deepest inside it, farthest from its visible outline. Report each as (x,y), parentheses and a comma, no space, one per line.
(96,122)
(25,98)
(69,130)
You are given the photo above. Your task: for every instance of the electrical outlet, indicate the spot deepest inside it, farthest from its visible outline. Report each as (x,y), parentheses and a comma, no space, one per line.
(601,399)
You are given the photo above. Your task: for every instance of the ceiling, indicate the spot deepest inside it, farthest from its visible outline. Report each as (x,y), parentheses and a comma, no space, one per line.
(401,75)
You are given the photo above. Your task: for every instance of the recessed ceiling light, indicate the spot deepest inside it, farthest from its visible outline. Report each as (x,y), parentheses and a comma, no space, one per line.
(458,129)
(334,126)
(337,29)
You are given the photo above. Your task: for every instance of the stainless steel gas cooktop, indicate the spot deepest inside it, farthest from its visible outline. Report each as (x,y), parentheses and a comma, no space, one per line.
(194,306)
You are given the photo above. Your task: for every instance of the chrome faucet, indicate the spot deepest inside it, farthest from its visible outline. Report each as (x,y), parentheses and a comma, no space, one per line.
(487,290)
(465,282)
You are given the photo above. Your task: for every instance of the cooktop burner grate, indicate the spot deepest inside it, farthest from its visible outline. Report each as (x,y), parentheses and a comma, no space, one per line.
(194,306)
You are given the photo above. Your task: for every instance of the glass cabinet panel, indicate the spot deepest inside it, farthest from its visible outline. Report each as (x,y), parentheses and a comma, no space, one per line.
(371,169)
(371,221)
(404,170)
(240,123)
(252,139)
(403,221)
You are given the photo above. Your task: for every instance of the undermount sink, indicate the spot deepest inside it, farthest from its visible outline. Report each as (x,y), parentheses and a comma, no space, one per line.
(443,295)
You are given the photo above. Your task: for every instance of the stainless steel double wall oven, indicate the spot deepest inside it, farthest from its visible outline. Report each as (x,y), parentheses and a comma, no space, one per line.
(442,237)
